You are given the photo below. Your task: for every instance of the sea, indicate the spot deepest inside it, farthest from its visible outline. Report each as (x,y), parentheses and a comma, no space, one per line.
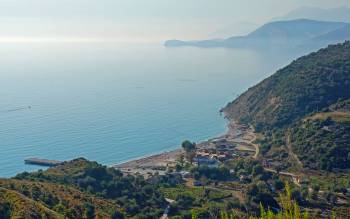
(114,102)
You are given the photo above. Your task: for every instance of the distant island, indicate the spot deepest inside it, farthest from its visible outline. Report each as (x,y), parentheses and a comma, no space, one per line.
(300,33)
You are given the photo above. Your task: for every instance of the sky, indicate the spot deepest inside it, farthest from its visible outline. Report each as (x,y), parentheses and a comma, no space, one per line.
(140,20)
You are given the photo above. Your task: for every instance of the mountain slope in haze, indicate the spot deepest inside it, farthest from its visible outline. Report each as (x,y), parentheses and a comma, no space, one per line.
(340,14)
(280,33)
(295,29)
(306,85)
(338,35)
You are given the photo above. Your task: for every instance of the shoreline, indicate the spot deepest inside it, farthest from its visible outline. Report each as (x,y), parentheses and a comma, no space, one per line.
(165,158)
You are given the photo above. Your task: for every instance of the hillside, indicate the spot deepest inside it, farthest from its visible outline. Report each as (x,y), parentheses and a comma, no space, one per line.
(16,205)
(290,33)
(306,85)
(64,200)
(295,29)
(325,135)
(338,35)
(77,189)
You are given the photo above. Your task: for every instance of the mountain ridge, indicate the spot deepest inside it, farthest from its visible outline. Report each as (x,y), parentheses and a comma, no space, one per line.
(290,33)
(340,14)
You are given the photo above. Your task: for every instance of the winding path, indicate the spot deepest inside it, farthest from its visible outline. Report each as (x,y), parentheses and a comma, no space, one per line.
(290,150)
(256,146)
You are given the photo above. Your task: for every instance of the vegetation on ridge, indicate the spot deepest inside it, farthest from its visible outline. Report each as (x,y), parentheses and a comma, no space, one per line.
(307,85)
(325,135)
(133,194)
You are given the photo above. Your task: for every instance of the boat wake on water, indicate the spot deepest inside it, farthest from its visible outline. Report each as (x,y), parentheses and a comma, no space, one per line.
(16,109)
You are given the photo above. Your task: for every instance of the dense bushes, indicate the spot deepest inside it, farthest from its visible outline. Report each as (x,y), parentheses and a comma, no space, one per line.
(327,141)
(221,173)
(133,193)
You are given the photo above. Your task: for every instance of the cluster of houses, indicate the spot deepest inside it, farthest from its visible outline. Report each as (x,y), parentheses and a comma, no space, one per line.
(210,158)
(219,150)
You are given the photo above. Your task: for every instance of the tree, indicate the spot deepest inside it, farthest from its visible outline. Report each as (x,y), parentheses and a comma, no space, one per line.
(252,190)
(181,159)
(5,210)
(278,184)
(190,156)
(257,169)
(36,192)
(188,146)
(316,187)
(189,149)
(117,215)
(178,167)
(89,211)
(184,201)
(296,195)
(305,192)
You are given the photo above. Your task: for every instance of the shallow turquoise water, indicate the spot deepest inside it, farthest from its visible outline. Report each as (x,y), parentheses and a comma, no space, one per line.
(113,102)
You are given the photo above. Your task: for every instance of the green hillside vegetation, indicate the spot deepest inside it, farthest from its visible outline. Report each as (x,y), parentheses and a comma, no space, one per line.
(325,135)
(289,209)
(307,85)
(133,194)
(15,205)
(303,112)
(65,200)
(329,148)
(35,195)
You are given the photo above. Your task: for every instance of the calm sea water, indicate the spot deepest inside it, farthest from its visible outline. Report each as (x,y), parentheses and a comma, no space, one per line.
(111,102)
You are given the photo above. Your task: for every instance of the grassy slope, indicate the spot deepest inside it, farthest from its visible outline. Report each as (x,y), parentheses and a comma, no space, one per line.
(339,117)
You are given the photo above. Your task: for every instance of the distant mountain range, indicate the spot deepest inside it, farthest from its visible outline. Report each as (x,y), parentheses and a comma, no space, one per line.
(340,14)
(291,33)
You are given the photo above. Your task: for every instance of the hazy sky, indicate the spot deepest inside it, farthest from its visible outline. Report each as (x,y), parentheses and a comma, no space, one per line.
(141,20)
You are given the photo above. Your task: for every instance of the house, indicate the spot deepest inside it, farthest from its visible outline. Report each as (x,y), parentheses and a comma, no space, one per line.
(328,128)
(204,160)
